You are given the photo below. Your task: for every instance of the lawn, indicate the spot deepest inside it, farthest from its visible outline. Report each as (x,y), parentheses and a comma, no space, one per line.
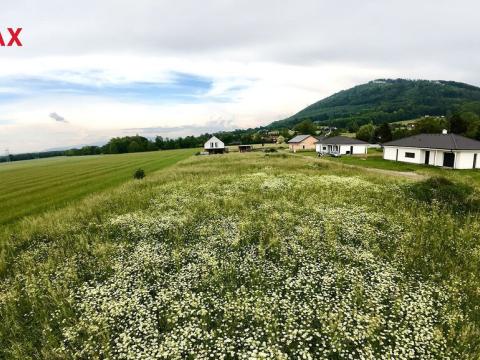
(247,256)
(33,186)
(375,160)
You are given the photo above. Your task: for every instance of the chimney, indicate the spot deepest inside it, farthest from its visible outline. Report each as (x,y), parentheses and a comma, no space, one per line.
(444,132)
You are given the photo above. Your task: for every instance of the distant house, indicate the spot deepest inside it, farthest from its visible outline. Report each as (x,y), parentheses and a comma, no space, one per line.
(448,150)
(341,145)
(302,142)
(245,148)
(214,146)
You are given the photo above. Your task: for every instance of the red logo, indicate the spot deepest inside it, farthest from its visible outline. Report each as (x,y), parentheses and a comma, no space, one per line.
(13,37)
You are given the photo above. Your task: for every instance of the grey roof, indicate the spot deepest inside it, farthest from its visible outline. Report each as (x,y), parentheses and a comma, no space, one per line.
(341,140)
(437,141)
(298,138)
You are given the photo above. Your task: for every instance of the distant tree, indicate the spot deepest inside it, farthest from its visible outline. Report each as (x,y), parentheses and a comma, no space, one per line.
(284,132)
(257,138)
(334,132)
(246,139)
(430,125)
(458,124)
(366,133)
(353,126)
(383,133)
(280,140)
(472,121)
(400,133)
(306,127)
(134,147)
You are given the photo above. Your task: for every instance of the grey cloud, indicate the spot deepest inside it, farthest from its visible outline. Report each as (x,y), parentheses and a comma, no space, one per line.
(376,32)
(57,117)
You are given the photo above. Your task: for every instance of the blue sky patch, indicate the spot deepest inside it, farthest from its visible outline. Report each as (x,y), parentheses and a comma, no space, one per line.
(183,88)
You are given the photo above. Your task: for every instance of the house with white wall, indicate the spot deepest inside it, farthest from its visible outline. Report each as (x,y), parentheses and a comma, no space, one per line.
(341,145)
(447,150)
(214,146)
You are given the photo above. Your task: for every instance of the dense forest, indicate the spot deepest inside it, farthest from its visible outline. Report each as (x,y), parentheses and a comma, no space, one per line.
(385,101)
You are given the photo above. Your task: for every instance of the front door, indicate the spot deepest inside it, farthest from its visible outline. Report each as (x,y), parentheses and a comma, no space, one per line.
(448,159)
(351,150)
(474,161)
(427,157)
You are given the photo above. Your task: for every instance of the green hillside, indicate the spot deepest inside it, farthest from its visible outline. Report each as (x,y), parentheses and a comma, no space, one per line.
(382,101)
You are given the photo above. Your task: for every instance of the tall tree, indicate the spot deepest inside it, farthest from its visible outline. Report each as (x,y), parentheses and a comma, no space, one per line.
(366,133)
(306,127)
(458,124)
(383,133)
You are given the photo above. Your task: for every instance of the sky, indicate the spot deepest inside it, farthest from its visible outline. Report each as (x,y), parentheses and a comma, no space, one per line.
(90,70)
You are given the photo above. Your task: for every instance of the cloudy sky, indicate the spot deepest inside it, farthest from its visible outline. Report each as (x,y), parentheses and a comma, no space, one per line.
(90,69)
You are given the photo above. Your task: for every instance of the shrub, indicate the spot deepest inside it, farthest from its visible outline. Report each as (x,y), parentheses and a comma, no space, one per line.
(139,174)
(446,192)
(270,150)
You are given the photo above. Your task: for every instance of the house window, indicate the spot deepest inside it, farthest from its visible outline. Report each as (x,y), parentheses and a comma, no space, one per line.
(324,148)
(303,146)
(211,144)
(410,155)
(216,144)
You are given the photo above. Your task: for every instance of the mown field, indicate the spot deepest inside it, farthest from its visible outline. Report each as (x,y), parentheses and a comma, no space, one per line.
(31,187)
(249,256)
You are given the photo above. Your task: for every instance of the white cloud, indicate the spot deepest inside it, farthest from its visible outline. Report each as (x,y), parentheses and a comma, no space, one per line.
(266,59)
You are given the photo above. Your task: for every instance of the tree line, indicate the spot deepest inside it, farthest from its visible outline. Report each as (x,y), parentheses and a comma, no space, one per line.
(464,123)
(137,143)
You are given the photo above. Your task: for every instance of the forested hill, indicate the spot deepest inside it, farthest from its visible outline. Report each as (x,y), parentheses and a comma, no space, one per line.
(384,100)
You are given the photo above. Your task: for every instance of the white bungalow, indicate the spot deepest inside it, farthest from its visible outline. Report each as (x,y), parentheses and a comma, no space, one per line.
(447,150)
(341,145)
(214,146)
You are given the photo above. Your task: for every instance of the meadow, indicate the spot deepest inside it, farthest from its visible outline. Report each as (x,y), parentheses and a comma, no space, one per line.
(241,256)
(33,186)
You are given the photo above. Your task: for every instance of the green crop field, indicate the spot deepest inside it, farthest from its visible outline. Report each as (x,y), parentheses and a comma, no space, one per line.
(249,256)
(30,187)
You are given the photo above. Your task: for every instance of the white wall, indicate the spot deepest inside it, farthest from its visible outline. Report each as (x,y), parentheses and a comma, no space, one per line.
(463,159)
(357,149)
(418,159)
(214,143)
(436,157)
(390,153)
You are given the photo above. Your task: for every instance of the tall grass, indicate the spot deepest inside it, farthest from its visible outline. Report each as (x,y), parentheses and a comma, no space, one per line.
(245,255)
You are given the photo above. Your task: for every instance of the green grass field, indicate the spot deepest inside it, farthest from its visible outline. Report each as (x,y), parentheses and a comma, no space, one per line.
(258,255)
(31,187)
